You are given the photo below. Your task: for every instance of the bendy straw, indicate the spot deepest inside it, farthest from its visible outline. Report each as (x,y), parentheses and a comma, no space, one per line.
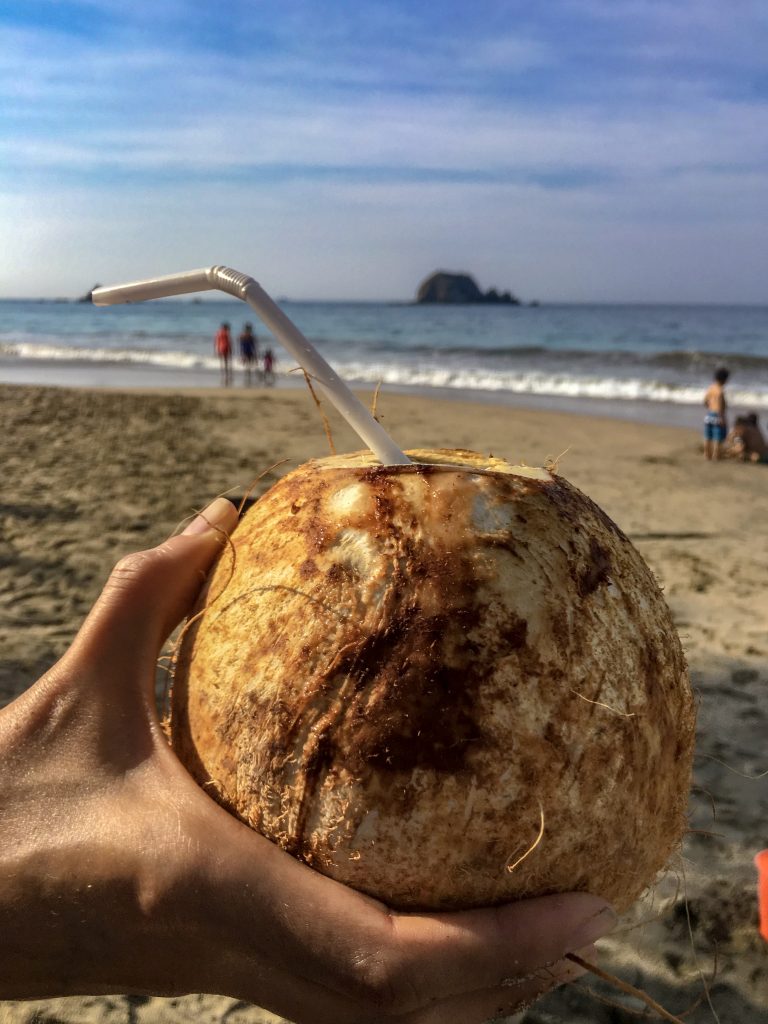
(243,287)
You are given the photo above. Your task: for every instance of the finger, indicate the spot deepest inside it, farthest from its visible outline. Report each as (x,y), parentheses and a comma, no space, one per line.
(477,949)
(148,593)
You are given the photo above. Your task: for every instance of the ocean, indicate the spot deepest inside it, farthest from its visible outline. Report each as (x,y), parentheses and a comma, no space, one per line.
(635,361)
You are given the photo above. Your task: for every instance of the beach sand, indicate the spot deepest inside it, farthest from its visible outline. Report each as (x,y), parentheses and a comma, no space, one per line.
(91,475)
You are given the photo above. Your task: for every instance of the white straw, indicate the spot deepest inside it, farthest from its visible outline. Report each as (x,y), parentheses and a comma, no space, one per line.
(243,287)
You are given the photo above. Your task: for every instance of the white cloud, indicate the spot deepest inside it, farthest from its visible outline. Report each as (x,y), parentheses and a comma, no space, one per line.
(97,132)
(334,240)
(266,129)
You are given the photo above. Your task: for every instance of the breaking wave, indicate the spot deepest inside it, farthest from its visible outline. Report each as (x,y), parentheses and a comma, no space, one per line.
(471,370)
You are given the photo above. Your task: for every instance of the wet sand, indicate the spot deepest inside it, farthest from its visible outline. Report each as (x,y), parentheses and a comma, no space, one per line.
(90,475)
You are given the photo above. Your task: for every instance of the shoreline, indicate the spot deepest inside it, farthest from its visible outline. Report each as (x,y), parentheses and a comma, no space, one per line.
(148,377)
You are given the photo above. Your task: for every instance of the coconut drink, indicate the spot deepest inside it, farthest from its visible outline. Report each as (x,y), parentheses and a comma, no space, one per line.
(446,684)
(437,677)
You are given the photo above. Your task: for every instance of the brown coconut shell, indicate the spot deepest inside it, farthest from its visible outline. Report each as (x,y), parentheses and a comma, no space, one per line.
(412,673)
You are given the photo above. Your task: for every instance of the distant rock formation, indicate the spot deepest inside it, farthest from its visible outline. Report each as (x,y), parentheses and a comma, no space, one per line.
(458,289)
(88,297)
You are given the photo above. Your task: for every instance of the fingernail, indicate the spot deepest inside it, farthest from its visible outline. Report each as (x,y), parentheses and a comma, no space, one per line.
(594,928)
(220,513)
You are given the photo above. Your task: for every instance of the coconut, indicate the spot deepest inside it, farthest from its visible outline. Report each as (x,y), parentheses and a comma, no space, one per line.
(446,684)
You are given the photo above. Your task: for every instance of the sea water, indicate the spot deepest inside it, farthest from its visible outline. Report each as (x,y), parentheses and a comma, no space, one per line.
(657,358)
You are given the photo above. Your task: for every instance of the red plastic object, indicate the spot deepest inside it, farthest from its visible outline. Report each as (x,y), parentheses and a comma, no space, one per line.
(761,863)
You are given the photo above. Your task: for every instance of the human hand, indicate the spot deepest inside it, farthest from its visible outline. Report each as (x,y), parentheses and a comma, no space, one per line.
(119,874)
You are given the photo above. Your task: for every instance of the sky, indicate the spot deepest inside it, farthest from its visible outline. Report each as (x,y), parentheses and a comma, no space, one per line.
(573,150)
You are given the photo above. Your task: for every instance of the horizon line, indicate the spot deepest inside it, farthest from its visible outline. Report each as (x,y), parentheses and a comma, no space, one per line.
(215,297)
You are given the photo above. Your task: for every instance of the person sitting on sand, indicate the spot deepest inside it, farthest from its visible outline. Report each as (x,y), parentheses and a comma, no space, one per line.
(118,873)
(746,441)
(715,423)
(249,351)
(223,348)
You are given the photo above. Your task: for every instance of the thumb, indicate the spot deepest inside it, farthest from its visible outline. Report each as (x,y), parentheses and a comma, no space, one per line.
(149,593)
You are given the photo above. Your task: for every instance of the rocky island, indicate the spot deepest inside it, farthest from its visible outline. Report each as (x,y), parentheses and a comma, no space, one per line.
(456,289)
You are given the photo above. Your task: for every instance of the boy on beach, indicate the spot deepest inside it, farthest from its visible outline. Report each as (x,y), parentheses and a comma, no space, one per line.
(715,426)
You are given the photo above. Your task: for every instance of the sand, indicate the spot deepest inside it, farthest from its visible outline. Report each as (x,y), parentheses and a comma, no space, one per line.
(90,475)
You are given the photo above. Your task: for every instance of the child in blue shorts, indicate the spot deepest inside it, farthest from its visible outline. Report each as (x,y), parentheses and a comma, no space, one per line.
(715,424)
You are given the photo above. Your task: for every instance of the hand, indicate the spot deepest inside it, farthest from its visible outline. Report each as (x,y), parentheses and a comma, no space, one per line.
(119,874)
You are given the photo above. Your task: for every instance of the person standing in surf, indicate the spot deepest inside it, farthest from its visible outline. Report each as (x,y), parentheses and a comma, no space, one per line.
(223,348)
(269,367)
(249,352)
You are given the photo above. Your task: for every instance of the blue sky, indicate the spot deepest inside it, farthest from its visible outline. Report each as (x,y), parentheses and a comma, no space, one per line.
(574,150)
